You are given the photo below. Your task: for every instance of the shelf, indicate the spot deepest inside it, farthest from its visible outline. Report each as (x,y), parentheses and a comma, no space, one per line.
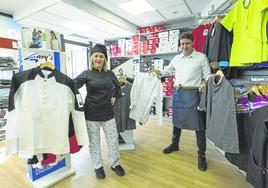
(156,54)
(2,135)
(122,57)
(8,68)
(146,34)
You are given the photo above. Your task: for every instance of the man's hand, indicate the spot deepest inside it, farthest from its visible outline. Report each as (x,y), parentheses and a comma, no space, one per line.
(113,99)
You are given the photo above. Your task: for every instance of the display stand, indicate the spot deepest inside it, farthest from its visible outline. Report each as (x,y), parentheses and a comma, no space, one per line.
(127,135)
(42,178)
(49,175)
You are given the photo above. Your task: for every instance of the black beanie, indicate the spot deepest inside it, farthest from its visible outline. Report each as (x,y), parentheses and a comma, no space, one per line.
(99,48)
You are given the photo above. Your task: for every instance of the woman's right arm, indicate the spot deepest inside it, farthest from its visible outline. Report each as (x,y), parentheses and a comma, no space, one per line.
(81,79)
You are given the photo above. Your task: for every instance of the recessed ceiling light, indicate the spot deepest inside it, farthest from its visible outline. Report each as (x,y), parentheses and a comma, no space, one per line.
(136,7)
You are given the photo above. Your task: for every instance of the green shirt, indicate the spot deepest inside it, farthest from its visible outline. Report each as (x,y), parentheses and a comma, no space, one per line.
(246,21)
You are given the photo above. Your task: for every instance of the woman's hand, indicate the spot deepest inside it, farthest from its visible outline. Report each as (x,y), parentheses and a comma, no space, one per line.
(113,99)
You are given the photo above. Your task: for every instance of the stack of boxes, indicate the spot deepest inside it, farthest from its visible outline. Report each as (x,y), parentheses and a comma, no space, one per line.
(173,40)
(153,43)
(151,29)
(115,50)
(170,112)
(135,44)
(163,42)
(168,86)
(144,47)
(122,47)
(168,91)
(168,41)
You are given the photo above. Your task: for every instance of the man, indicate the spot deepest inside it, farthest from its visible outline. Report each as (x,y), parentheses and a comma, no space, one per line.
(190,68)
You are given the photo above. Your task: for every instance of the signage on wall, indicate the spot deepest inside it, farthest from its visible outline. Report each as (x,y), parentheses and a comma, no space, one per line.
(41,38)
(9,43)
(30,58)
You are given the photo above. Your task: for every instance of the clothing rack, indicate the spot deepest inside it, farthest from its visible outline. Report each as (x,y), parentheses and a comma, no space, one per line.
(225,6)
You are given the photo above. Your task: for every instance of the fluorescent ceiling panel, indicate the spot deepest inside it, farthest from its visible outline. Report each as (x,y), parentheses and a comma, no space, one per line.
(136,7)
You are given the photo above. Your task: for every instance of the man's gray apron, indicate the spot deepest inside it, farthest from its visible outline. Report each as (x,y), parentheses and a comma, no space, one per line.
(184,104)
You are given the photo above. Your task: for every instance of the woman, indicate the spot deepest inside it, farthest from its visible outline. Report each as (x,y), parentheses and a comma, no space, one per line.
(54,43)
(102,91)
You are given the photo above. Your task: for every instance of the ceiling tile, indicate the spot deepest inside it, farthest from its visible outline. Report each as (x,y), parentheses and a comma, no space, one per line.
(33,22)
(150,17)
(112,6)
(196,5)
(49,17)
(117,2)
(181,11)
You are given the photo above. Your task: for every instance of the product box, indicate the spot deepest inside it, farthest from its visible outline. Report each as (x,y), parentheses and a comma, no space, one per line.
(174,32)
(163,34)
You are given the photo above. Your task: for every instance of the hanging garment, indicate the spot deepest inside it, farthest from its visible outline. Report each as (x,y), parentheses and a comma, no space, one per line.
(39,111)
(247,19)
(257,171)
(246,129)
(200,35)
(218,43)
(121,110)
(146,89)
(221,115)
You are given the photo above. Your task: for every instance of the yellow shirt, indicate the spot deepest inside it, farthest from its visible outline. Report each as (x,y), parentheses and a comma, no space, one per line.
(259,16)
(246,49)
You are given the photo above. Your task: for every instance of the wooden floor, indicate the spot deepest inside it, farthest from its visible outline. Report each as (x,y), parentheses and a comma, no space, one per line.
(145,166)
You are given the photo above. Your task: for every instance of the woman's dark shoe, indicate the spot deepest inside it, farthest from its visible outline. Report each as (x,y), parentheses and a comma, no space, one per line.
(100,174)
(118,170)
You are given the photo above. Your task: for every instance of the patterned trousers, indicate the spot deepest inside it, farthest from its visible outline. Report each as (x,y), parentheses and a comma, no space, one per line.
(111,136)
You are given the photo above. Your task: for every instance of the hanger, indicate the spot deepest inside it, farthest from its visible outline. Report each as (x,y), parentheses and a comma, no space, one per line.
(122,79)
(48,65)
(218,18)
(204,22)
(218,76)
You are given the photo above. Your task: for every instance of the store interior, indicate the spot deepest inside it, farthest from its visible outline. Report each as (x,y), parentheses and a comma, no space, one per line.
(141,36)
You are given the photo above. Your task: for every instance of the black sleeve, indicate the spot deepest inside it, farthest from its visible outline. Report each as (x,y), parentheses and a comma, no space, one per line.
(13,88)
(80,80)
(117,90)
(78,98)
